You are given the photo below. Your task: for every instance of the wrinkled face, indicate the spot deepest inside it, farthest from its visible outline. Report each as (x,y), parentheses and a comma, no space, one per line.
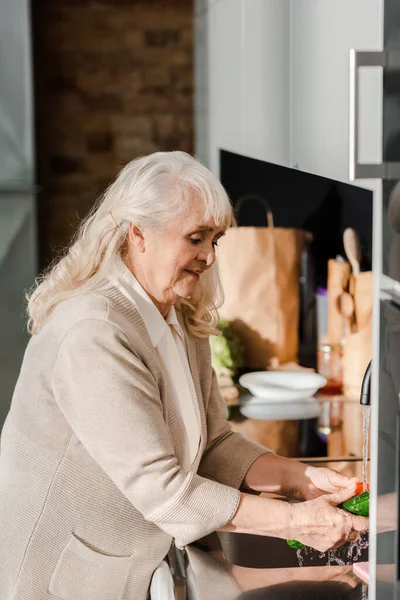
(170,264)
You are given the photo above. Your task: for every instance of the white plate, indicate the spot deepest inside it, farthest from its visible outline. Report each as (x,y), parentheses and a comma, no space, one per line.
(308,408)
(282,386)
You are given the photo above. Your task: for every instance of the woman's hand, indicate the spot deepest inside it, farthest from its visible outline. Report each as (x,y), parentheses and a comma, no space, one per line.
(317,481)
(318,523)
(291,478)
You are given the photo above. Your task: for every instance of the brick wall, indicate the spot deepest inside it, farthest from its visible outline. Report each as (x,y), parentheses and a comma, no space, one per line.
(113,81)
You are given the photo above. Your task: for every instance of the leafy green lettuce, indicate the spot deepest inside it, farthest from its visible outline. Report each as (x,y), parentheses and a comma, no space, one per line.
(226,350)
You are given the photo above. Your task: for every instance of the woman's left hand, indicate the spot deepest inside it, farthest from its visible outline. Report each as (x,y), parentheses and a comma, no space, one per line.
(320,480)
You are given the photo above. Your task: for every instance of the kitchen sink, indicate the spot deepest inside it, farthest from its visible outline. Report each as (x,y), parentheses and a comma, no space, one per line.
(262,552)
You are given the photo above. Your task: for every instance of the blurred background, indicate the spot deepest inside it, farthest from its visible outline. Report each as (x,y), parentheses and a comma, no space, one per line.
(113,80)
(85,86)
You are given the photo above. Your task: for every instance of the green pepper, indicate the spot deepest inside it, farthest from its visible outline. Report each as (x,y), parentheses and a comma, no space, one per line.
(358,505)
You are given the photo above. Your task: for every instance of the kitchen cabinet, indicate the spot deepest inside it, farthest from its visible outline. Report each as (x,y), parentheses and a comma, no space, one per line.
(322,35)
(274,82)
(226,82)
(242,94)
(266,79)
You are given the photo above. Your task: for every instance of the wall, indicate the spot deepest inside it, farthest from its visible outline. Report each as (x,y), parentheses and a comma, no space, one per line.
(17,203)
(113,81)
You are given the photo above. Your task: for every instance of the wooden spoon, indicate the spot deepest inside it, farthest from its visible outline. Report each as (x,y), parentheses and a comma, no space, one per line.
(351,242)
(346,308)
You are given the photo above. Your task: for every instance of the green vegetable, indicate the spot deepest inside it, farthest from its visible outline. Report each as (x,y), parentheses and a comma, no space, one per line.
(357,505)
(226,350)
(295,544)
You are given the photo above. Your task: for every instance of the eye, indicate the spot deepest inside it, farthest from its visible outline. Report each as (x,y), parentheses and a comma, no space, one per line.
(215,244)
(195,241)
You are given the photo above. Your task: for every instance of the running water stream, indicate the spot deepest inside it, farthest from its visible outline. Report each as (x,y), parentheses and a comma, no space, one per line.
(355,548)
(366,415)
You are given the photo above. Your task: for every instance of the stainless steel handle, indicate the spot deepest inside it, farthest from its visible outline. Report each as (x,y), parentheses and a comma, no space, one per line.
(388,61)
(389,289)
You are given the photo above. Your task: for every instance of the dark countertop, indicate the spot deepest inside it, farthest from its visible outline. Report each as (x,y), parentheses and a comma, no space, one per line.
(210,574)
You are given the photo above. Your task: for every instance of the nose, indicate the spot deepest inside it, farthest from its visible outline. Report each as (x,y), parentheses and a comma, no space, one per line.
(207,255)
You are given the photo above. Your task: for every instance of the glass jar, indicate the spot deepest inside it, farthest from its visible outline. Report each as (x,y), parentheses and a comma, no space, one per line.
(330,417)
(329,364)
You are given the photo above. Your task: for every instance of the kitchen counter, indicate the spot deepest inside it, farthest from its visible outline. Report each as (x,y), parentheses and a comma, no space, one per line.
(336,431)
(208,575)
(240,566)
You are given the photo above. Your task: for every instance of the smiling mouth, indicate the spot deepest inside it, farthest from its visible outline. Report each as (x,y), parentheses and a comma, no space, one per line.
(193,273)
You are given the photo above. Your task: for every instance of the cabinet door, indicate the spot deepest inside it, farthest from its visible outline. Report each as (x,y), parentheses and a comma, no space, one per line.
(266,80)
(322,35)
(243,101)
(225,93)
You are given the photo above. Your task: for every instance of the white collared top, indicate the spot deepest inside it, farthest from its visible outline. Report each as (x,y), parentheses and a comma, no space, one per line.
(168,339)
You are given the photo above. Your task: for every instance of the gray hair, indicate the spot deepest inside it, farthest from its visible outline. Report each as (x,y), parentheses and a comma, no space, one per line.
(149,191)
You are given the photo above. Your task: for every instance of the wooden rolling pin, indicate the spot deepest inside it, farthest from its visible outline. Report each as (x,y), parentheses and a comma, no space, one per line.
(363,299)
(338,278)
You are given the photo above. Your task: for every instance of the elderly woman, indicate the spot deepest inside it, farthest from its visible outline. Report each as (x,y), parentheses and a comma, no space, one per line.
(117,442)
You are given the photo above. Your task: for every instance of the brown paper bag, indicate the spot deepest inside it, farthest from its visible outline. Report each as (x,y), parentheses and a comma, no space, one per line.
(260,269)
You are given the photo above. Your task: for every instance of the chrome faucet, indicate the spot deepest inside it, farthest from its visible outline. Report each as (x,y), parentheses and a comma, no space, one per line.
(365,398)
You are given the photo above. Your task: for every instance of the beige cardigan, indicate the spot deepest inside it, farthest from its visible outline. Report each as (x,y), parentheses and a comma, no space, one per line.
(94,478)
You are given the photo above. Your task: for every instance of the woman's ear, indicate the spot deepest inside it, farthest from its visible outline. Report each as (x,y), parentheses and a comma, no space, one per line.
(136,237)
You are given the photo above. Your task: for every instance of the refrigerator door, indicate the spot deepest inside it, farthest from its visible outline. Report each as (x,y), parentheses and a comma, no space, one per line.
(385,422)
(388,449)
(388,397)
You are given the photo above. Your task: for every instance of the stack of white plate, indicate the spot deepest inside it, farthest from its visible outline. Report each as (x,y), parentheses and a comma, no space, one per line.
(281,394)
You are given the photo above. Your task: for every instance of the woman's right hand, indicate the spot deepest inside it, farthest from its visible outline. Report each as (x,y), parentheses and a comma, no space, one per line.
(321,525)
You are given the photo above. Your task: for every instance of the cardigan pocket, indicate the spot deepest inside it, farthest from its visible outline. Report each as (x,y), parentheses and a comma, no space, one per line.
(84,574)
